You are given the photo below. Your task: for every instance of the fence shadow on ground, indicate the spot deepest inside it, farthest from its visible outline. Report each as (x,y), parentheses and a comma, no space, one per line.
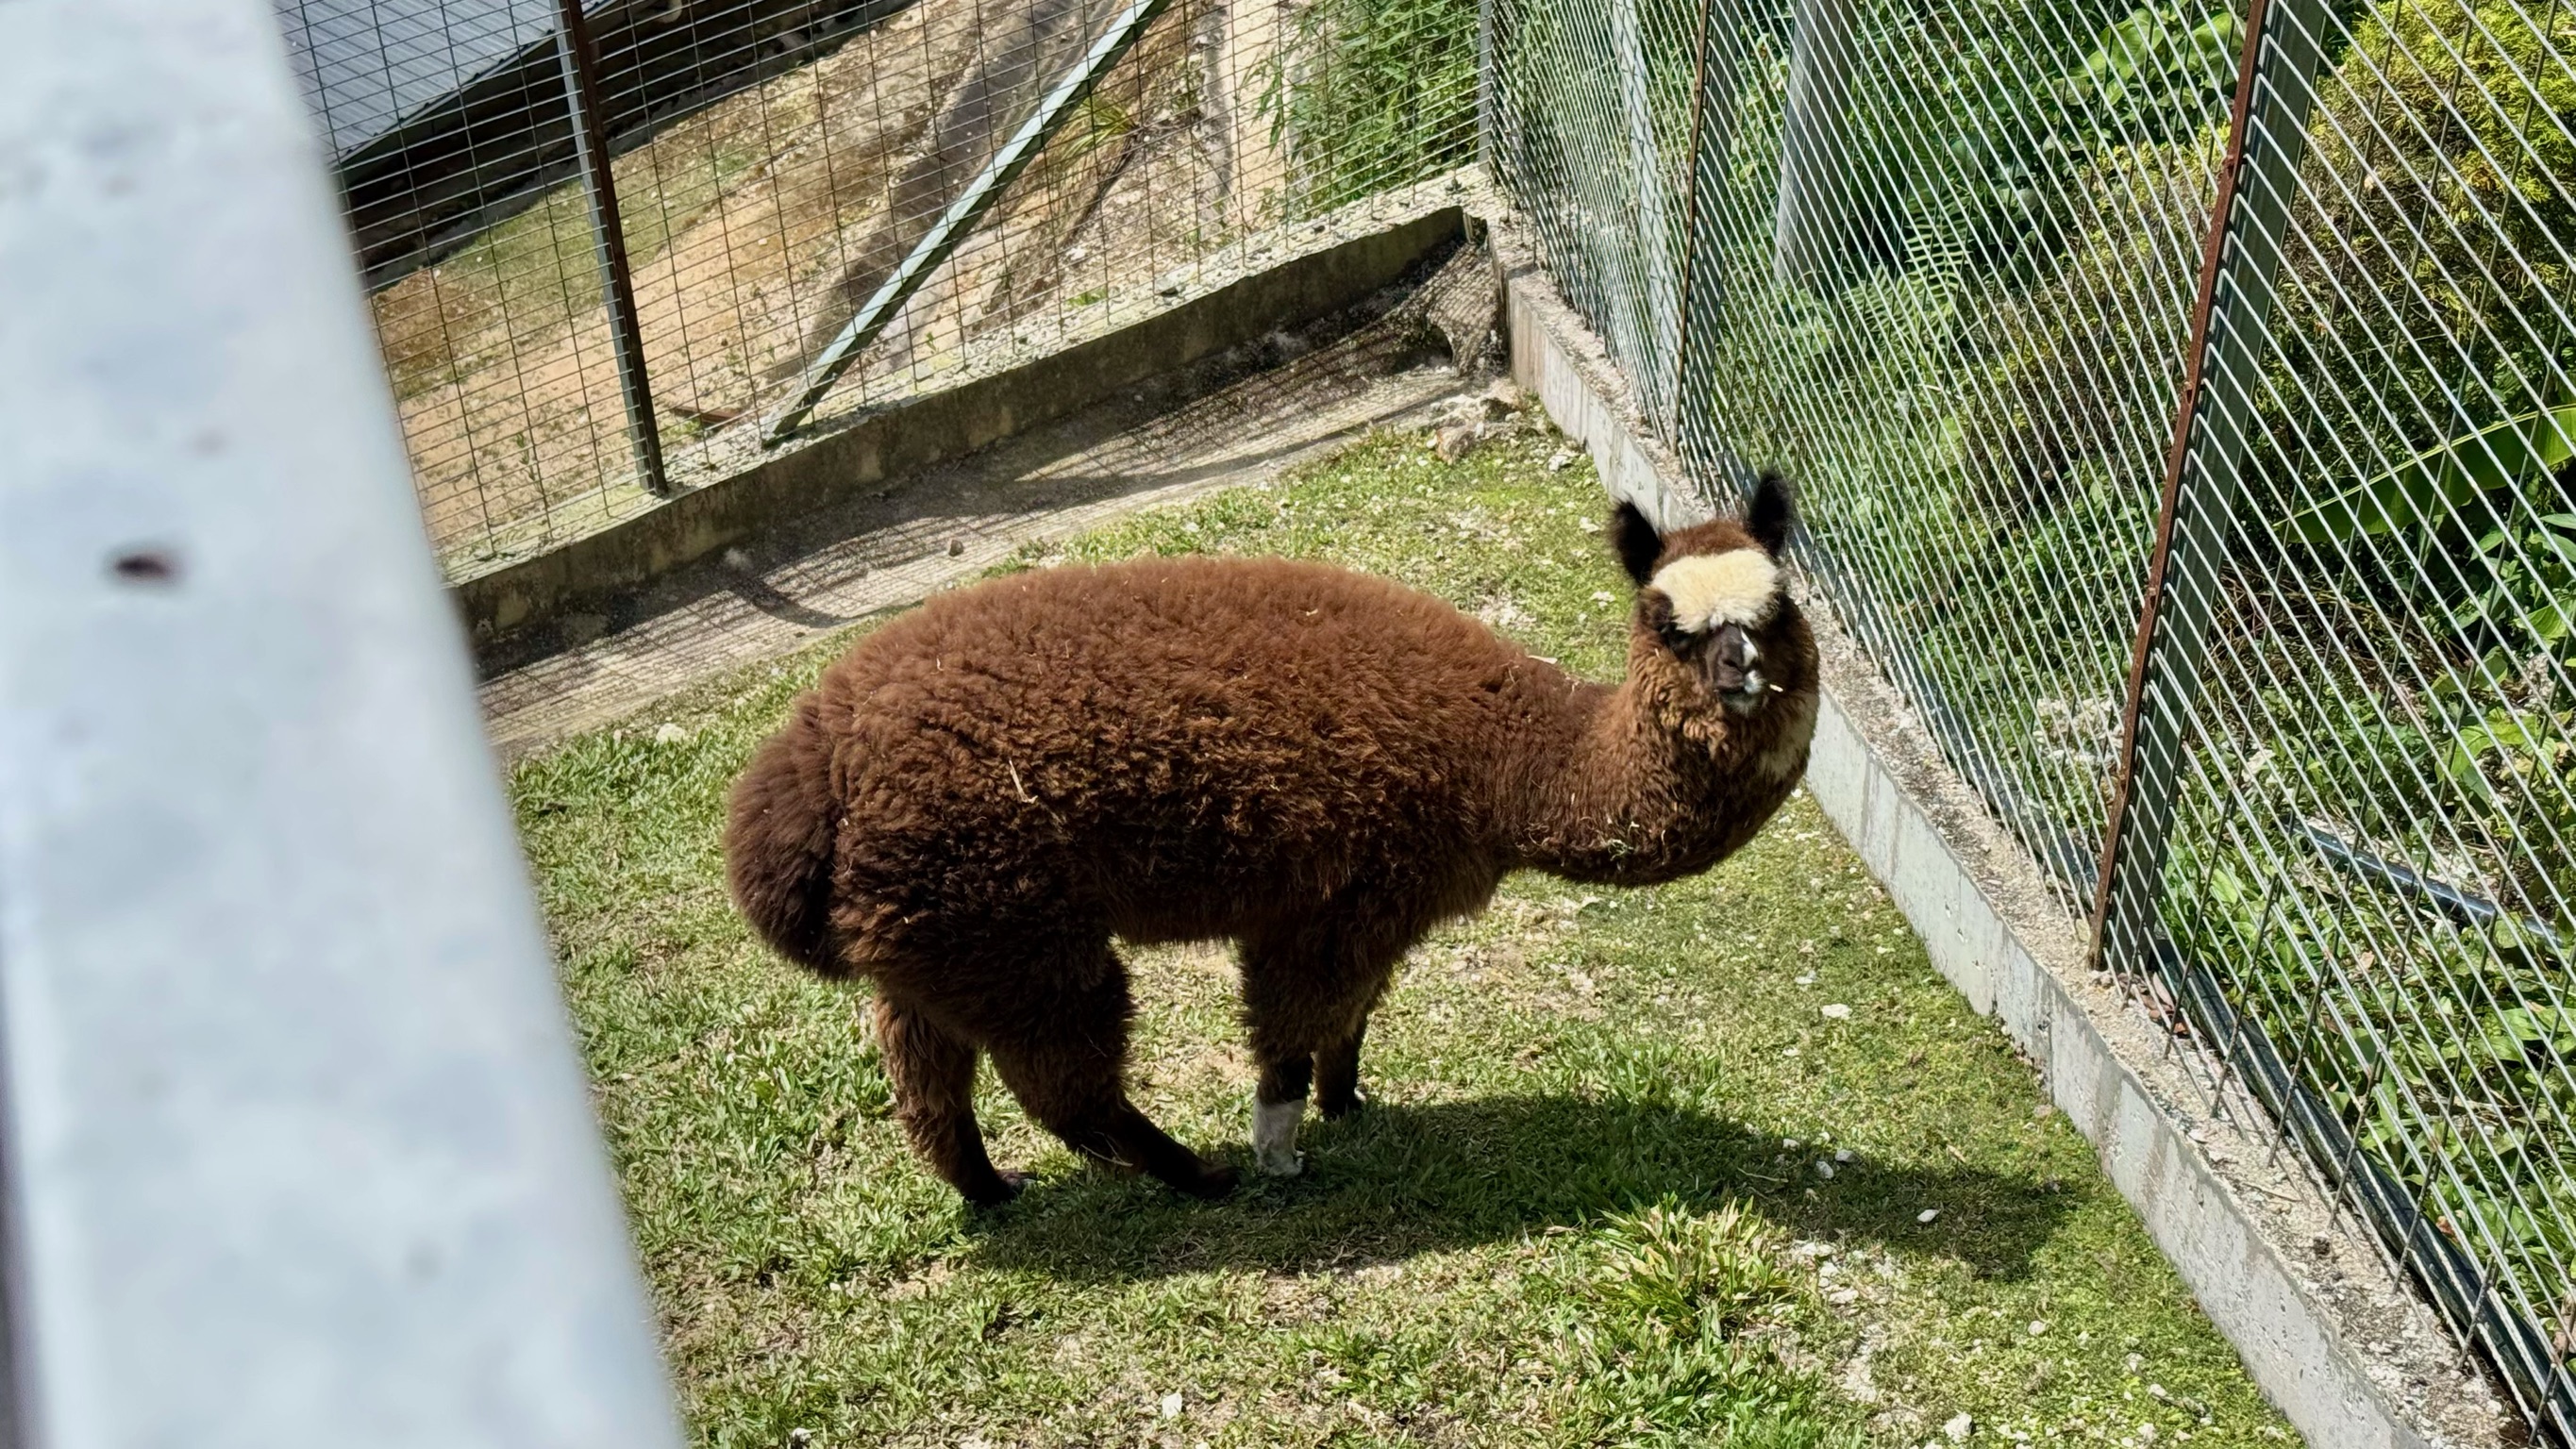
(1395,1182)
(1123,446)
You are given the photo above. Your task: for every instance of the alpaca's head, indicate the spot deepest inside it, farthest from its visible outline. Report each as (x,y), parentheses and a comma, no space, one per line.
(1713,596)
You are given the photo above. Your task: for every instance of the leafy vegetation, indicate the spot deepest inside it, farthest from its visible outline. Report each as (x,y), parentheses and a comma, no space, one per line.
(1624,1181)
(2417,698)
(1369,94)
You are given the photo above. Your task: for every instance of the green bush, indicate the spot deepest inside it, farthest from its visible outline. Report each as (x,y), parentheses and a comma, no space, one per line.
(1369,94)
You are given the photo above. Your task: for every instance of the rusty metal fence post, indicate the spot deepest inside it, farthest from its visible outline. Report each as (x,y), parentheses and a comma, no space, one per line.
(608,228)
(2213,433)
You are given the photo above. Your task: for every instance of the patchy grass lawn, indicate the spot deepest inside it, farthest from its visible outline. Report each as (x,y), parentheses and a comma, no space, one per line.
(1721,1162)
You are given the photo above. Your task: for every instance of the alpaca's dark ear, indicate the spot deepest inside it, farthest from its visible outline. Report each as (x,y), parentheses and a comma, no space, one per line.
(1772,513)
(1636,541)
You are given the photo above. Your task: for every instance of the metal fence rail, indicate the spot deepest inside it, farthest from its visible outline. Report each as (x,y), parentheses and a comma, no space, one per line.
(2185,396)
(597,284)
(295,1147)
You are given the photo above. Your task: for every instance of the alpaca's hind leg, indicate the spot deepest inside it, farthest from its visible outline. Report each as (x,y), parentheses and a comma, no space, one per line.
(1065,1068)
(933,1076)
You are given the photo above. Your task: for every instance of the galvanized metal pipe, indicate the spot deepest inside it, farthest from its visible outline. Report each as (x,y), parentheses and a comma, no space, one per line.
(298,1147)
(608,230)
(1697,435)
(1658,341)
(1814,150)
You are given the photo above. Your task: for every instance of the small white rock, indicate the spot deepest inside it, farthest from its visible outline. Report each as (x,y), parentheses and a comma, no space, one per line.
(1837,1011)
(1959,1428)
(1559,461)
(1823,1168)
(671,734)
(1927,1215)
(2038,1326)
(1842,1155)
(1171,1406)
(1601,596)
(1807,980)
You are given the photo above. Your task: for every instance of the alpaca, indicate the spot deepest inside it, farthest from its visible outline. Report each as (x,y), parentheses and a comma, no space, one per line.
(1314,763)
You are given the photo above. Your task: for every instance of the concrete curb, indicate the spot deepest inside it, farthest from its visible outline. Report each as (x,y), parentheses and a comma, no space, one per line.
(1991,927)
(939,428)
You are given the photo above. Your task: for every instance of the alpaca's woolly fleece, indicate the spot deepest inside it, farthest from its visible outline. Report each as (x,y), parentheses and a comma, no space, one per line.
(1318,765)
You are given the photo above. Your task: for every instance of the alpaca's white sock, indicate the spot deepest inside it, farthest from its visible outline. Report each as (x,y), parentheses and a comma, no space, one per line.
(1274,1137)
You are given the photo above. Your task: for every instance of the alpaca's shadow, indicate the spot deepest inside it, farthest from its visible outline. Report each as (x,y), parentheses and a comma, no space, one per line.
(1398,1181)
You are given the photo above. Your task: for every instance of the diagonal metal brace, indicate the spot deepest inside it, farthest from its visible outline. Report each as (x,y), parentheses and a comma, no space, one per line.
(962,216)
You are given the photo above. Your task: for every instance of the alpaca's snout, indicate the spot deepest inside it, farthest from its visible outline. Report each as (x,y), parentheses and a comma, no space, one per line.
(1733,666)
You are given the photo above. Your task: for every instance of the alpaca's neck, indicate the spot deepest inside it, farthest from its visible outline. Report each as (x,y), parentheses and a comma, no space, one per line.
(1640,789)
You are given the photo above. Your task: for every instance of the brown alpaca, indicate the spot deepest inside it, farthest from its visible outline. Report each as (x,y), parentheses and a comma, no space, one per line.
(1314,763)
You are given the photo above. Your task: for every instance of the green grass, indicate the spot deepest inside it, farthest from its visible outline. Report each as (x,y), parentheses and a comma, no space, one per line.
(1585,1207)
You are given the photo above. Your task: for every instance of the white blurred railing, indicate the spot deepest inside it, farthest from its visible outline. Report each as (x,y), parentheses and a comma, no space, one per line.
(296,1141)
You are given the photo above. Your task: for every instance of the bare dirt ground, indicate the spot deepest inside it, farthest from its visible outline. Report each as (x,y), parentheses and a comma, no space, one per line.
(758,226)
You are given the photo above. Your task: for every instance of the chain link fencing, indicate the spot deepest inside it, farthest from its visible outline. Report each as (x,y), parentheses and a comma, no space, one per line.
(2182,400)
(620,249)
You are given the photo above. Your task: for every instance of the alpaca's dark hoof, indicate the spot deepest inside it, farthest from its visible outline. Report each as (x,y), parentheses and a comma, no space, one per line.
(1336,1105)
(1004,1187)
(1214,1183)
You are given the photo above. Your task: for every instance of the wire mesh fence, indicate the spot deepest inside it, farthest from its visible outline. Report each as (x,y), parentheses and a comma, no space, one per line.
(2182,395)
(942,187)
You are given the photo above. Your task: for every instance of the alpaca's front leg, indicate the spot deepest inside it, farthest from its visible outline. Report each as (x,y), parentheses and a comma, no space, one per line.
(1278,1105)
(1306,997)
(1337,1076)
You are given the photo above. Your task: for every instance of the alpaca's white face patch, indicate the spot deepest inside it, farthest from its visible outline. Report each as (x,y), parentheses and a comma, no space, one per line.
(1711,590)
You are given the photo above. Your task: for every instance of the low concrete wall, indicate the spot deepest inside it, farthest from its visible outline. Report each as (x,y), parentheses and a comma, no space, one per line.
(2348,1354)
(589,571)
